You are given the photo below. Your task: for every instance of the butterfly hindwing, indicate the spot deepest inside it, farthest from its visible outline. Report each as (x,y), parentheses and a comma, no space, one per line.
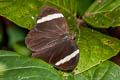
(67,55)
(57,55)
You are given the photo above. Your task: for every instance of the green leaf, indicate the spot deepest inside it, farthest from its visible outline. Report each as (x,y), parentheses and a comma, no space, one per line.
(15,35)
(104,71)
(21,48)
(95,48)
(103,14)
(82,6)
(24,12)
(16,67)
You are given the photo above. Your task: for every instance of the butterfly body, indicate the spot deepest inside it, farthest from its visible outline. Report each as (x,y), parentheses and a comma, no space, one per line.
(51,41)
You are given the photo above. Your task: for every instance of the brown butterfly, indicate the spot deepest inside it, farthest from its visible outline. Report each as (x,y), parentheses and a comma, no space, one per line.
(51,41)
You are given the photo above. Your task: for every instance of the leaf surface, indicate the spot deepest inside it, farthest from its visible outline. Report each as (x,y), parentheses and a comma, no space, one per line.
(24,12)
(104,71)
(16,67)
(103,14)
(95,48)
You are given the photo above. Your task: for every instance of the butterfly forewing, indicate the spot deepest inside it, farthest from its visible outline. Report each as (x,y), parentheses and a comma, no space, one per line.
(47,30)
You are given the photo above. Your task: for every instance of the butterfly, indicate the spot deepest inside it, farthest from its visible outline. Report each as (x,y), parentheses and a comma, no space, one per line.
(51,41)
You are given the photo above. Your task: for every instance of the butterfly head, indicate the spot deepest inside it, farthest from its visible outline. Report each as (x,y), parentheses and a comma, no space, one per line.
(68,36)
(72,36)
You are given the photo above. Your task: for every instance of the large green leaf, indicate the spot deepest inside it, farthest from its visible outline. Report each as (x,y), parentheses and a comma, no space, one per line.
(16,67)
(25,12)
(103,14)
(95,48)
(104,71)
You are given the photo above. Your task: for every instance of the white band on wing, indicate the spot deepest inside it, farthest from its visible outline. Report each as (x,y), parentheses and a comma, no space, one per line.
(50,17)
(67,58)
